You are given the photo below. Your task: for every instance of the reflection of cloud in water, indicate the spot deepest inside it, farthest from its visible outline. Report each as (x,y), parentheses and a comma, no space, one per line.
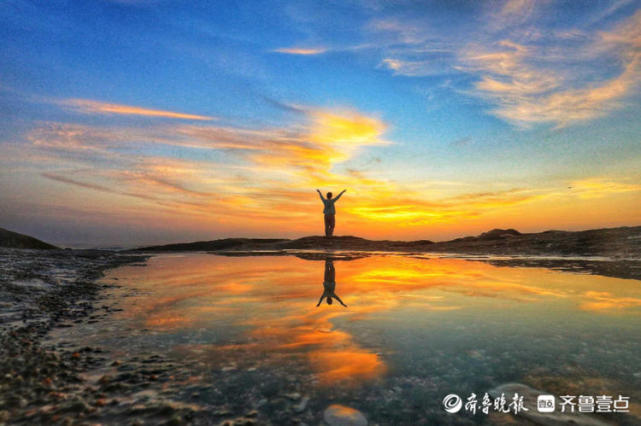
(604,301)
(271,301)
(336,365)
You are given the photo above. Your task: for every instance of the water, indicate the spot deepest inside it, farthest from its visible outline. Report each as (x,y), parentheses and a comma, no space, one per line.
(247,332)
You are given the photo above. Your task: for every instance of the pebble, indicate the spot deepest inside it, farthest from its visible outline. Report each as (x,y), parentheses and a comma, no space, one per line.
(302,405)
(341,415)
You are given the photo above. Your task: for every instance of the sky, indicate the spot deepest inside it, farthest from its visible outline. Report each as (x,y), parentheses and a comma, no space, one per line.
(136,122)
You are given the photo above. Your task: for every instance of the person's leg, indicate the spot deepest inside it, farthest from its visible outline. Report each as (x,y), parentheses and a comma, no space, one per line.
(332,223)
(327,225)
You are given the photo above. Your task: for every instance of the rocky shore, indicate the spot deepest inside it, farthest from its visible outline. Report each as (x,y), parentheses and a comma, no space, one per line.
(619,243)
(41,290)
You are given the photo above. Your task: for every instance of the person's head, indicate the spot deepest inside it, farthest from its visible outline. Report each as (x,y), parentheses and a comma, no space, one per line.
(329,300)
(329,195)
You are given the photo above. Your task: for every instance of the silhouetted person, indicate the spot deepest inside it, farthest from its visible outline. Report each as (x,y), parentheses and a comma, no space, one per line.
(329,211)
(329,284)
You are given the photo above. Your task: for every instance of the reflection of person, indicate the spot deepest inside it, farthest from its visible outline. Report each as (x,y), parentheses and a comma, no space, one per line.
(329,211)
(329,284)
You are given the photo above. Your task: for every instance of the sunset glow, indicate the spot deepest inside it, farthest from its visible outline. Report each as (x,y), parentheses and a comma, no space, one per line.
(151,123)
(272,304)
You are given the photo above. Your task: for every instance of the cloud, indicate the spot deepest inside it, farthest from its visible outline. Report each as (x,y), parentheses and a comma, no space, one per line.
(414,208)
(527,90)
(601,187)
(87,185)
(267,171)
(301,50)
(266,174)
(525,94)
(315,146)
(507,71)
(284,106)
(614,7)
(67,180)
(87,106)
(512,12)
(403,31)
(420,68)
(248,176)
(528,73)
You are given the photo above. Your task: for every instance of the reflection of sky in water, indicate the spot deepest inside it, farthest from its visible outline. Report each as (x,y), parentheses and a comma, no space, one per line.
(413,329)
(401,311)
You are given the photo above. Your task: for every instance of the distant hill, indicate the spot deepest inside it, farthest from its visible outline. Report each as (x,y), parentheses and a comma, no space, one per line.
(616,242)
(12,239)
(497,234)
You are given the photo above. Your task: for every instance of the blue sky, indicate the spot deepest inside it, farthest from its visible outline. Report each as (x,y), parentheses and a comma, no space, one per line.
(443,117)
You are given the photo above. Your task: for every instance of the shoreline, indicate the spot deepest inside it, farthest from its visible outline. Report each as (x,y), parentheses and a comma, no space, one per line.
(46,289)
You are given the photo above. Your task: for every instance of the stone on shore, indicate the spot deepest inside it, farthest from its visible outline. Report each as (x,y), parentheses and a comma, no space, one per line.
(340,415)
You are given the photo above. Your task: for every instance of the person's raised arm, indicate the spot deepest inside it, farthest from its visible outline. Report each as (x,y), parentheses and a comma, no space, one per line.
(321,299)
(320,195)
(339,299)
(339,195)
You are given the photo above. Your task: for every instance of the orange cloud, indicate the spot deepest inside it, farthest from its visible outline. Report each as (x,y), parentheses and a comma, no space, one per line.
(87,106)
(600,187)
(301,50)
(263,172)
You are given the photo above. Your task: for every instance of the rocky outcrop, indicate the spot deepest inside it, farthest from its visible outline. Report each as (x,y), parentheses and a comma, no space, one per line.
(624,242)
(10,239)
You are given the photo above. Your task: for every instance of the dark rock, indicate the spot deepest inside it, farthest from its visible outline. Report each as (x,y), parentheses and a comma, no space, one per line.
(16,240)
(497,234)
(340,415)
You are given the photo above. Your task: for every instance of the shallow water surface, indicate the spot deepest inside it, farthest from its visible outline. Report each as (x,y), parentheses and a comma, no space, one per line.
(249,333)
